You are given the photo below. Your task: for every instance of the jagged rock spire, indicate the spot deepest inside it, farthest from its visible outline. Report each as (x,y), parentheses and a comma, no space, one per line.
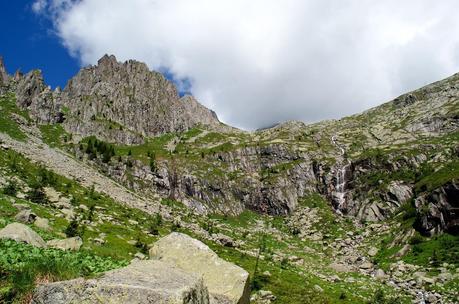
(3,74)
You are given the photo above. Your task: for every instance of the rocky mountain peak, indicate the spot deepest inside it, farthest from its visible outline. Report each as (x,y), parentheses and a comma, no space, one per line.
(29,87)
(138,101)
(3,74)
(107,60)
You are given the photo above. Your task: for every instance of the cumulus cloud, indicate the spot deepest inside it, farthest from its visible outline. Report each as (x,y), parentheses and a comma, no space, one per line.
(260,62)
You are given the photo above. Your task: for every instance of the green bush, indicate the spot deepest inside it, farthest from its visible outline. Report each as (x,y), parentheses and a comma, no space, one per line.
(11,189)
(37,195)
(21,265)
(74,229)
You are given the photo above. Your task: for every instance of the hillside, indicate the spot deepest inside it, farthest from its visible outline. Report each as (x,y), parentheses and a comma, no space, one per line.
(357,210)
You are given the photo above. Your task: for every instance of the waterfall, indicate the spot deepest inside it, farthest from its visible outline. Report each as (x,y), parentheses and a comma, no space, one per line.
(341,186)
(341,178)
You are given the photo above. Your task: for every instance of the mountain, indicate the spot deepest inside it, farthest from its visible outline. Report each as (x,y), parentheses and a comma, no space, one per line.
(358,196)
(122,102)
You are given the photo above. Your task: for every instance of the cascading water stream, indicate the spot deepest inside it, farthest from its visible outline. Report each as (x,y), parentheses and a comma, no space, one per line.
(341,179)
(341,186)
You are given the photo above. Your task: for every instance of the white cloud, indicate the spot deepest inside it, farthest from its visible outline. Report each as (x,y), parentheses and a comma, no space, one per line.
(263,61)
(39,6)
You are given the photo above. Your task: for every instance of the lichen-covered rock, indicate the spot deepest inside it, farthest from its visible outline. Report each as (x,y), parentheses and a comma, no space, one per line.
(22,233)
(227,283)
(73,243)
(140,282)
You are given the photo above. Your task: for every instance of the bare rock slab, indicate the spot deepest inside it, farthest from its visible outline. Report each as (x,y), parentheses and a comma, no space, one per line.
(22,233)
(227,283)
(140,282)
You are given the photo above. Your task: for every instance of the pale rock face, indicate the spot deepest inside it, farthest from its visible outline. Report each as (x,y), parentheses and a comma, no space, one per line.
(140,282)
(227,283)
(22,233)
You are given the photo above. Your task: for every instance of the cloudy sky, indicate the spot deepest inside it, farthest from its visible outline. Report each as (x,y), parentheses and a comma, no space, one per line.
(259,62)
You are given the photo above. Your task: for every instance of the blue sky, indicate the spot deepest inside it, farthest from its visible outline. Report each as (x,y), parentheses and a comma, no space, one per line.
(27,42)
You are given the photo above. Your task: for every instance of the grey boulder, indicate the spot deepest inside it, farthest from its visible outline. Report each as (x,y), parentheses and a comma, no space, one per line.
(73,243)
(22,233)
(140,282)
(227,283)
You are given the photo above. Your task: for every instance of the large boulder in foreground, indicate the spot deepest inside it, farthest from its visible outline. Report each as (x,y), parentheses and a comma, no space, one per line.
(22,233)
(227,283)
(140,282)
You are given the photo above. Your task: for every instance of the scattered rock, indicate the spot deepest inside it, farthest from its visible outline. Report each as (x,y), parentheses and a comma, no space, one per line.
(405,249)
(140,256)
(68,213)
(42,223)
(373,251)
(263,297)
(224,240)
(73,243)
(366,266)
(227,283)
(318,288)
(22,233)
(140,282)
(25,216)
(99,241)
(341,267)
(380,274)
(21,207)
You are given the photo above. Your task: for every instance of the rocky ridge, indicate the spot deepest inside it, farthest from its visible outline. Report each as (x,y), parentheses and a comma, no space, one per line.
(268,170)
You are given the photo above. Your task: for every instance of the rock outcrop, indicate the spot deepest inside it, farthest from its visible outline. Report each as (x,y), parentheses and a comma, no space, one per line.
(4,78)
(140,282)
(125,102)
(22,233)
(34,95)
(439,210)
(226,282)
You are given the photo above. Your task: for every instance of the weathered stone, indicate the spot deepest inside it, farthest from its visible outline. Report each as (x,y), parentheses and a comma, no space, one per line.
(341,267)
(73,243)
(227,283)
(366,265)
(224,240)
(26,217)
(42,223)
(22,233)
(380,274)
(405,249)
(140,282)
(21,207)
(373,251)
